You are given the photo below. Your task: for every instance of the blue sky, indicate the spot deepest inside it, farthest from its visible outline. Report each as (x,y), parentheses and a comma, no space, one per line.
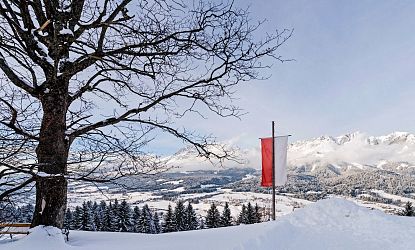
(354,70)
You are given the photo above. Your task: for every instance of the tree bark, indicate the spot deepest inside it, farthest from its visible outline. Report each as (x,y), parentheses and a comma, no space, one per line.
(50,206)
(52,154)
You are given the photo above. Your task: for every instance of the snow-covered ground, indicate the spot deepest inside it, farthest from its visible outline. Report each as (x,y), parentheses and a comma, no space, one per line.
(383,194)
(285,204)
(326,224)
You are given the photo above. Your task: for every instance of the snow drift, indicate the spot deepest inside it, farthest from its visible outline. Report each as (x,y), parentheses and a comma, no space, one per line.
(327,224)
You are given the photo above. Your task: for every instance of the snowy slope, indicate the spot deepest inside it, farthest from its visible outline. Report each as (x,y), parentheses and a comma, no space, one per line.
(327,224)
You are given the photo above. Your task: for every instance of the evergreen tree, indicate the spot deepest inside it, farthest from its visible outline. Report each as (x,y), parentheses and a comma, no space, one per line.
(77,218)
(87,217)
(116,213)
(169,222)
(90,205)
(124,217)
(243,219)
(7,212)
(213,217)
(257,214)
(95,206)
(136,219)
(27,213)
(409,210)
(157,228)
(18,215)
(250,214)
(98,215)
(190,218)
(102,206)
(226,218)
(109,220)
(146,221)
(67,223)
(180,216)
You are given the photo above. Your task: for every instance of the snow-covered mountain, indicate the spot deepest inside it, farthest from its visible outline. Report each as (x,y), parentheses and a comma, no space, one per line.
(354,151)
(395,152)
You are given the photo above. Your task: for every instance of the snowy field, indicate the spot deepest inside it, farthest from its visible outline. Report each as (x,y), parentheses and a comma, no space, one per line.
(285,203)
(327,224)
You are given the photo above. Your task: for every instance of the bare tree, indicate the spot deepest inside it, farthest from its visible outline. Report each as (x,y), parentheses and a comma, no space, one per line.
(86,82)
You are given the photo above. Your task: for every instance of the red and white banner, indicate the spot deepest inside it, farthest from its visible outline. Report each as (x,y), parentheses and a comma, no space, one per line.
(280,145)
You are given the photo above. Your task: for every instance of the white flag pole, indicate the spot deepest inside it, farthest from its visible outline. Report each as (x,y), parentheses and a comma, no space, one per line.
(273,170)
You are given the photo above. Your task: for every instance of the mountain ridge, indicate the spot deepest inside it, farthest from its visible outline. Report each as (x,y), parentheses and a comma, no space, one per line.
(391,138)
(353,151)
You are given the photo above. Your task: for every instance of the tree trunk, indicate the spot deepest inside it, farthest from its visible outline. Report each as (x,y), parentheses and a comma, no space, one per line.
(52,155)
(50,202)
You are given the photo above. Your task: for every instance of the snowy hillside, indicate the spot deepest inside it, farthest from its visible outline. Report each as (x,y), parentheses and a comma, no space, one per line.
(327,224)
